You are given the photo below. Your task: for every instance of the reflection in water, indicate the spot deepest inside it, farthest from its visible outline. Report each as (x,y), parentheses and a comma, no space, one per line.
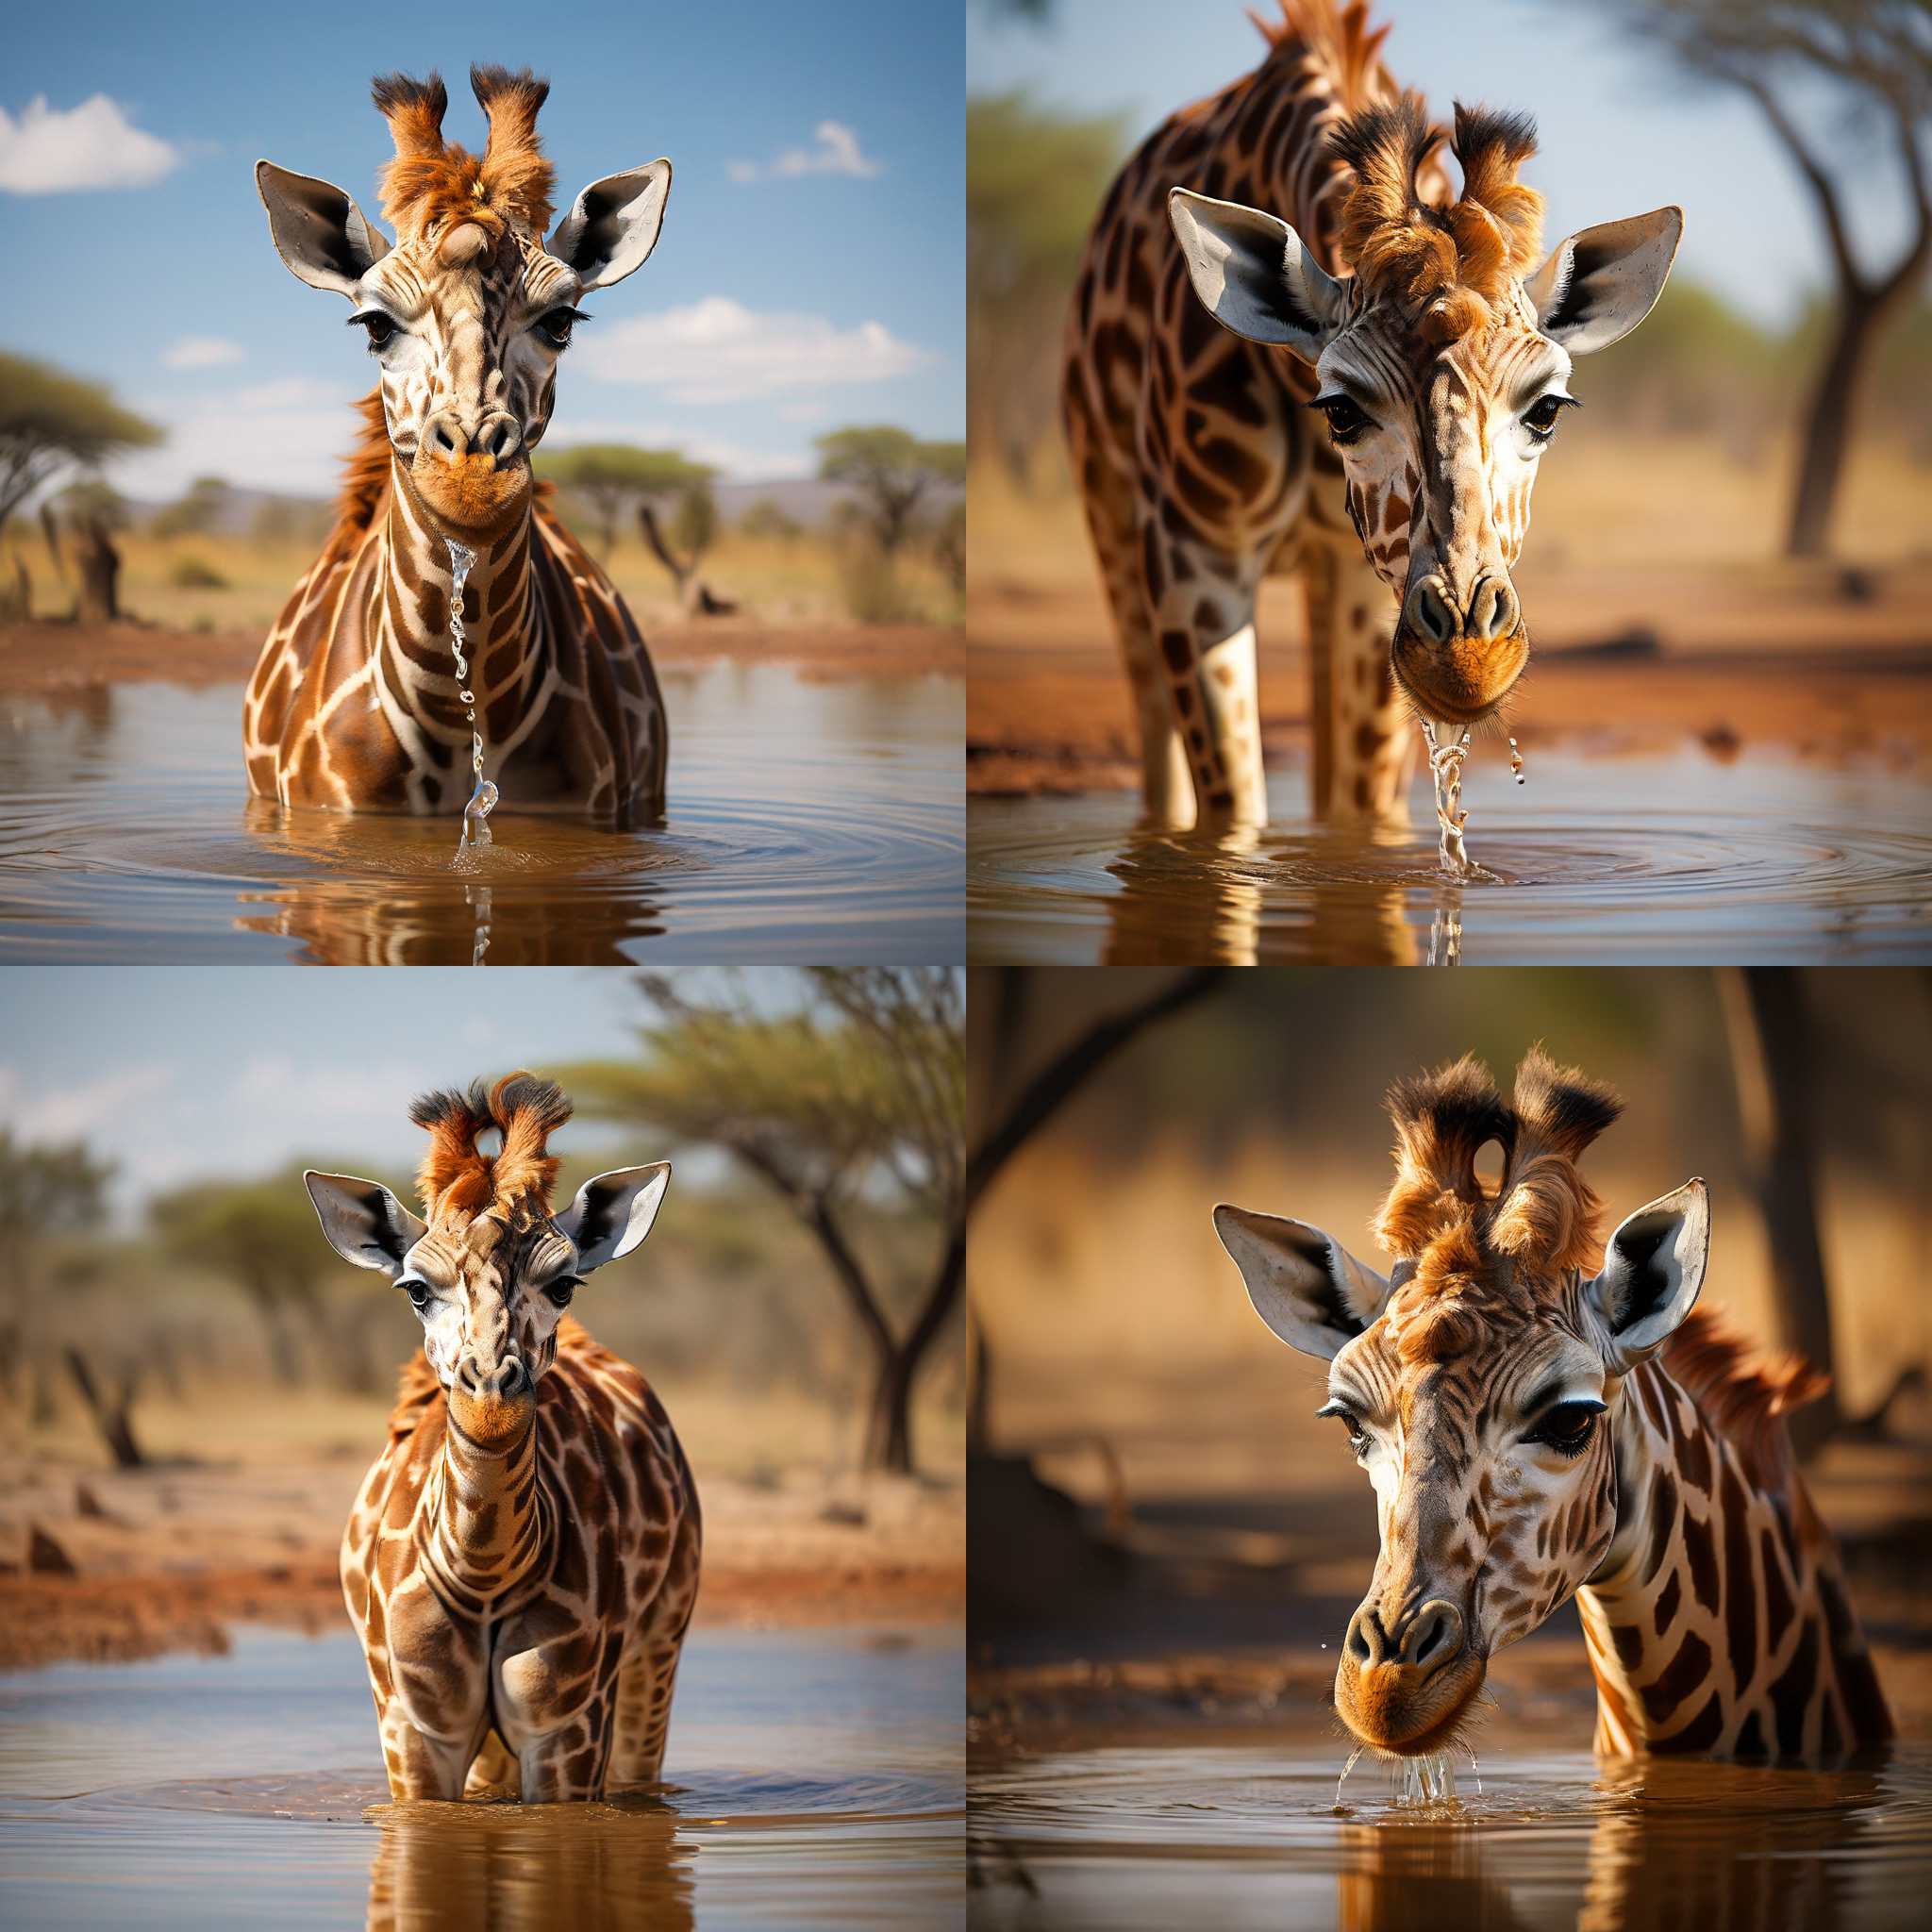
(810,820)
(1117,1835)
(592,1868)
(1761,858)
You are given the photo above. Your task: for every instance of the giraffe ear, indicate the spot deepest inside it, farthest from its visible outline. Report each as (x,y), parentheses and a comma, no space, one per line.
(1598,284)
(318,230)
(364,1223)
(1253,275)
(613,225)
(1653,1268)
(1304,1284)
(613,1213)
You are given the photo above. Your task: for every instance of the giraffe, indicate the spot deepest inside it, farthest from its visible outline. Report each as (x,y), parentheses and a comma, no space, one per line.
(1439,366)
(356,703)
(1543,1416)
(523,1559)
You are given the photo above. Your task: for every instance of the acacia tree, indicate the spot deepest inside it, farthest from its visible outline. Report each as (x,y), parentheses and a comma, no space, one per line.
(1874,58)
(51,422)
(856,1098)
(889,469)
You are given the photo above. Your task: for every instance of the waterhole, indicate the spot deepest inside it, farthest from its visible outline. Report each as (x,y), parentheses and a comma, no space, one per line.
(1766,858)
(808,820)
(811,1778)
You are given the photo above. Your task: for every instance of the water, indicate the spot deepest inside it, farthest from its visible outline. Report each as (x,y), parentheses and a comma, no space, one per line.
(1193,1828)
(808,821)
(1763,859)
(482,802)
(813,1780)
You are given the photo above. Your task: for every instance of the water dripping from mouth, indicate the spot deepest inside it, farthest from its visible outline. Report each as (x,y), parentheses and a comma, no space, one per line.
(1445,768)
(1429,1779)
(1516,760)
(1354,1758)
(483,798)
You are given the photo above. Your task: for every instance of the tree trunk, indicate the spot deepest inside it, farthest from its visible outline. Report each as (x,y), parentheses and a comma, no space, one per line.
(889,1426)
(98,600)
(1771,1057)
(17,598)
(1829,423)
(110,1413)
(693,598)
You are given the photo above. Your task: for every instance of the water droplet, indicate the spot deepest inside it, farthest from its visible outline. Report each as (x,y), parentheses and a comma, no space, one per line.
(1516,760)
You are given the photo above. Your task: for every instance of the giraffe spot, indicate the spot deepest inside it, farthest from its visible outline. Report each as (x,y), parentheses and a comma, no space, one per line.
(1184,700)
(1700,1550)
(1367,739)
(1751,1739)
(1865,1706)
(1704,1730)
(1668,1598)
(1223,675)
(1663,1520)
(1177,647)
(1741,1594)
(1679,1678)
(1694,1455)
(1790,1695)
(1395,518)
(1629,1643)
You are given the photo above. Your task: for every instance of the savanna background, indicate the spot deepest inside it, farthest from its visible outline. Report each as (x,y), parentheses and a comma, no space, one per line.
(194,1385)
(761,443)
(1730,543)
(1161,1533)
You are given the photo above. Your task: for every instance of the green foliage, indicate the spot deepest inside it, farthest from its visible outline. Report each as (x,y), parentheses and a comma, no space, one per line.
(50,420)
(198,510)
(262,1234)
(612,478)
(767,520)
(93,502)
(1034,178)
(892,470)
(49,1188)
(195,573)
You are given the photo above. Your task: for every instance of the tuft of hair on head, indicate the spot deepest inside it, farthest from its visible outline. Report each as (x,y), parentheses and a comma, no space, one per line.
(453,1176)
(1498,222)
(1546,1216)
(514,173)
(529,1110)
(1339,40)
(1442,1120)
(414,110)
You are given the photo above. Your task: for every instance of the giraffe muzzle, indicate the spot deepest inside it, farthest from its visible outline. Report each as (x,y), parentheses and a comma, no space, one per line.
(493,1406)
(1403,1689)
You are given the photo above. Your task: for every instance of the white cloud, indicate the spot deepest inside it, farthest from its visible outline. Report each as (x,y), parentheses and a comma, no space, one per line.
(70,1113)
(835,151)
(51,150)
(717,351)
(201,352)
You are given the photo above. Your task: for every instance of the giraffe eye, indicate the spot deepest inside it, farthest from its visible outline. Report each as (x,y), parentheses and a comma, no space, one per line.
(381,328)
(555,326)
(1568,1427)
(561,1290)
(1358,1436)
(1541,417)
(417,1290)
(1346,421)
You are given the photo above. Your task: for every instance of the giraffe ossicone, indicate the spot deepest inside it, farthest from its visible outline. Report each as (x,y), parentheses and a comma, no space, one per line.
(356,702)
(521,1561)
(1543,1415)
(1316,225)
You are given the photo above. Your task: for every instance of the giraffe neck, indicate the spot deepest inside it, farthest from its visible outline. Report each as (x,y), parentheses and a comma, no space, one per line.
(487,1521)
(505,637)
(1719,1620)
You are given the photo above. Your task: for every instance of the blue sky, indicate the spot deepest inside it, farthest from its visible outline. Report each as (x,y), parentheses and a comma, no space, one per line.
(1621,133)
(814,233)
(178,1071)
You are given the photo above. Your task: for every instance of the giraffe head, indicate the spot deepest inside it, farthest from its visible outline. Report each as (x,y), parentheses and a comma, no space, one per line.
(491,1270)
(469,309)
(1479,1381)
(1441,364)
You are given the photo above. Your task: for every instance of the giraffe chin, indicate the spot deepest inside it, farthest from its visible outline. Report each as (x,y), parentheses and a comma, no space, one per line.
(471,498)
(1391,1710)
(1464,681)
(493,1422)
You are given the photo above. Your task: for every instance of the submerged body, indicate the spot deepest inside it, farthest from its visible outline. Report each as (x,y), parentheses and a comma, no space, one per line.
(556,1574)
(1544,1415)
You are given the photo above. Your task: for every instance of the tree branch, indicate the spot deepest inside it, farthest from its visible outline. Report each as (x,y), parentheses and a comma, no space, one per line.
(1823,188)
(1062,1076)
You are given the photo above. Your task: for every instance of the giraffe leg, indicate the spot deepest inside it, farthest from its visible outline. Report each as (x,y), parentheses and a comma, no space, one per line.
(1203,620)
(644,1683)
(493,1767)
(1365,744)
(421,1766)
(569,1765)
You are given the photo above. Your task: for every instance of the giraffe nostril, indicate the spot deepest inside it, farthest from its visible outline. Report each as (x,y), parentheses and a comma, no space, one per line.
(1428,612)
(1433,1637)
(1492,610)
(498,439)
(1364,1639)
(444,435)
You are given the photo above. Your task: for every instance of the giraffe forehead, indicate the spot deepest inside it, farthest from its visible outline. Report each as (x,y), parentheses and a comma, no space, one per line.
(1453,1362)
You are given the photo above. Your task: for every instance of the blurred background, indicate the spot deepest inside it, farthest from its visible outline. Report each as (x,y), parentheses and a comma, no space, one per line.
(768,432)
(1152,1502)
(1746,489)
(194,1384)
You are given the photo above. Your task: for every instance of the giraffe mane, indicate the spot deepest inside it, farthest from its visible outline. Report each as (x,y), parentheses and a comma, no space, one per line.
(1542,1216)
(1340,39)
(1745,1394)
(433,182)
(1443,266)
